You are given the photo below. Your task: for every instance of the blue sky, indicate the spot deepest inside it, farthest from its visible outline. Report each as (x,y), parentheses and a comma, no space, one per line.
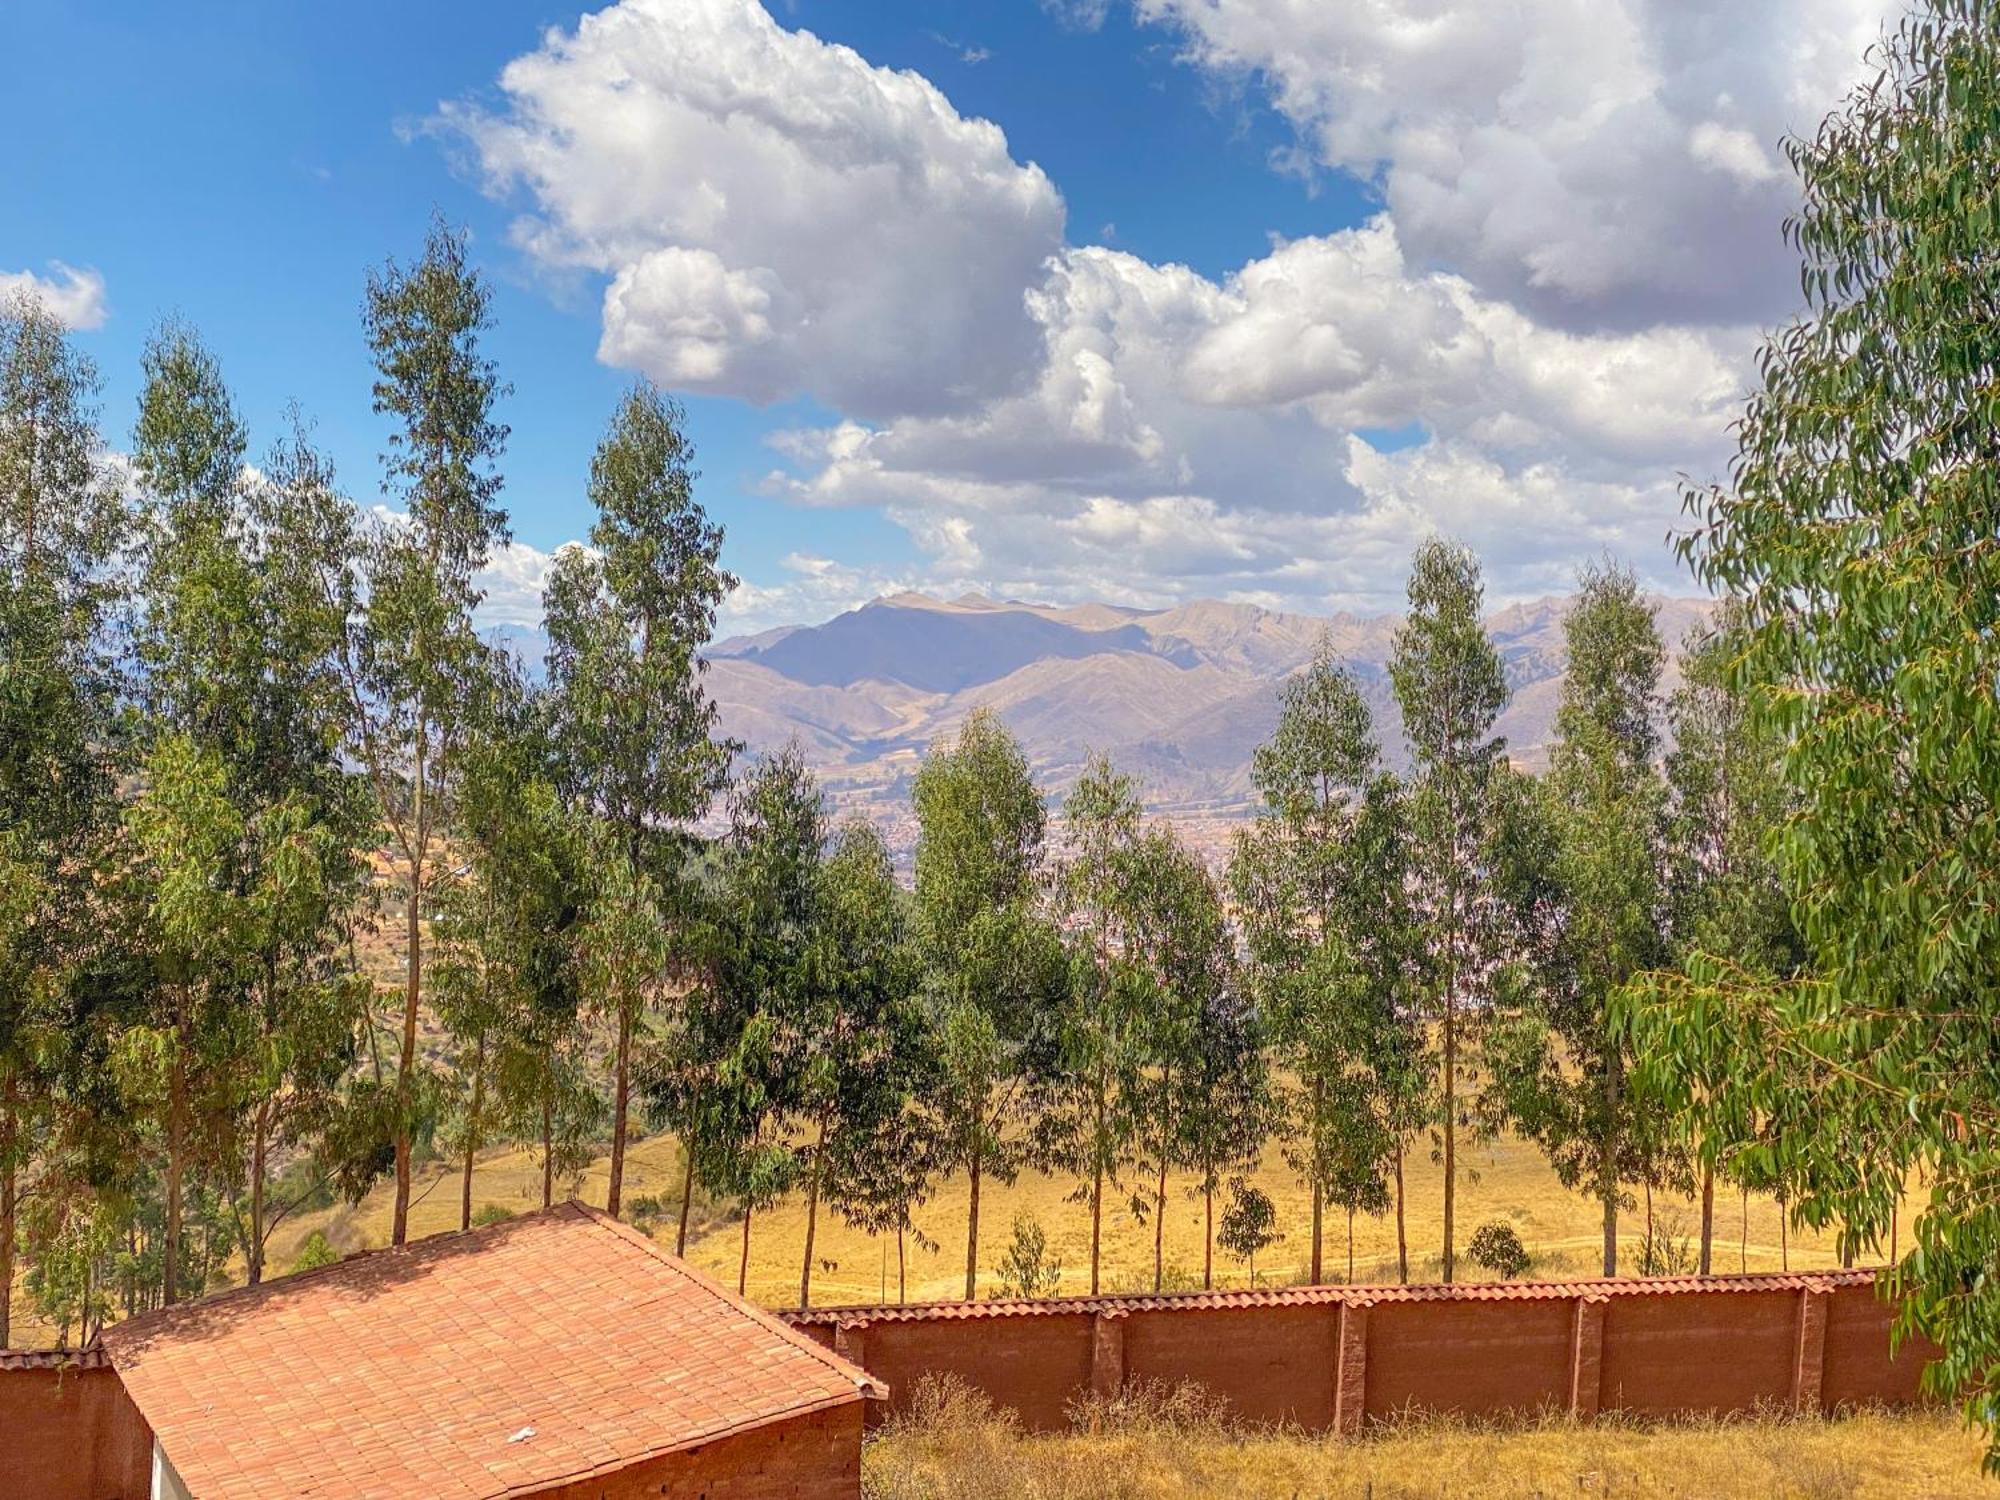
(1288,290)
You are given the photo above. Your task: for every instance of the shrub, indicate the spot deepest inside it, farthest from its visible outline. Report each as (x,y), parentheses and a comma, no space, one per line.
(1667,1248)
(1249,1224)
(1027,1269)
(644,1209)
(314,1253)
(1497,1248)
(491,1213)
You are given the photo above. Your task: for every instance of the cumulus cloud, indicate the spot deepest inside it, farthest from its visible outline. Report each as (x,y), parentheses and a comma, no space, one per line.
(776,215)
(75,297)
(1550,318)
(1603,161)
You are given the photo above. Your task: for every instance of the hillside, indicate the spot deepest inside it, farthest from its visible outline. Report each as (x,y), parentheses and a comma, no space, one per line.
(1179,697)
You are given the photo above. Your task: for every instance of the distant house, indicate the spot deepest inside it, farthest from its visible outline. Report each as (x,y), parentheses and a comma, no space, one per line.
(560,1355)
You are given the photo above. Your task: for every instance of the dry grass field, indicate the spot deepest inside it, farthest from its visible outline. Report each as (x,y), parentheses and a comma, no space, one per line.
(954,1448)
(1508,1180)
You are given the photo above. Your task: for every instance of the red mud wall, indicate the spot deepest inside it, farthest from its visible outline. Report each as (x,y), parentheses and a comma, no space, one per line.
(71,1434)
(1330,1359)
(816,1457)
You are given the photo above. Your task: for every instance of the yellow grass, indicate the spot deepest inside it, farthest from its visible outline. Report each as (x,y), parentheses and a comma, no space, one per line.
(954,1448)
(1507,1179)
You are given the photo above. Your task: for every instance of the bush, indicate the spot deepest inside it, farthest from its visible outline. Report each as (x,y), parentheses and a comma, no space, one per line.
(1027,1269)
(644,1209)
(1667,1248)
(1498,1249)
(314,1253)
(491,1213)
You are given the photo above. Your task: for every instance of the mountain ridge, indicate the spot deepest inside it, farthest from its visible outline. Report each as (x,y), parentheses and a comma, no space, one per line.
(1178,696)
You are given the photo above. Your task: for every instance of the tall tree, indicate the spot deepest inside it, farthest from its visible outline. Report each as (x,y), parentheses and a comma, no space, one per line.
(853,1023)
(412,652)
(634,727)
(1290,879)
(1450,687)
(60,522)
(1183,957)
(992,967)
(1226,1112)
(1856,529)
(1726,800)
(1085,1123)
(772,864)
(1563,1065)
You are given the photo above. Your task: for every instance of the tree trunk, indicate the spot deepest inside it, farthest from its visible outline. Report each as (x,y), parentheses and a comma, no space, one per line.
(1160,1224)
(621,1097)
(1096,1221)
(1707,1219)
(1208,1234)
(1319,1195)
(1607,1173)
(1402,1238)
(687,1198)
(812,1218)
(1450,1126)
(472,1130)
(254,1254)
(170,1253)
(902,1286)
(972,1235)
(548,1152)
(1350,1247)
(10,1189)
(399,1230)
(743,1263)
(1784,1238)
(1743,1245)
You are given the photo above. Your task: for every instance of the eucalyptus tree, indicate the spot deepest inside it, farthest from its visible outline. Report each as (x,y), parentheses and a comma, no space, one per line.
(1450,687)
(61,522)
(1086,1124)
(993,968)
(1860,549)
(1726,800)
(633,725)
(412,654)
(1563,1065)
(853,1025)
(772,864)
(1227,1104)
(1183,956)
(1307,921)
(240,645)
(511,933)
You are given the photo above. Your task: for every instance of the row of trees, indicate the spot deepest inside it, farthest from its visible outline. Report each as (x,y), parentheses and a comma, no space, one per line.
(239,710)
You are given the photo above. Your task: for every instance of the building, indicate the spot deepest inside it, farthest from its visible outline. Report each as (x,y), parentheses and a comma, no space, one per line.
(560,1355)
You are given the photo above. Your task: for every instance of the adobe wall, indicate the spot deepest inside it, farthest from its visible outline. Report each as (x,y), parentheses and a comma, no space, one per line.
(1334,1358)
(816,1457)
(69,1433)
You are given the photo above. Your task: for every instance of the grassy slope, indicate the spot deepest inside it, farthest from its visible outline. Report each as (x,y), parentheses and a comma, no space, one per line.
(1510,1181)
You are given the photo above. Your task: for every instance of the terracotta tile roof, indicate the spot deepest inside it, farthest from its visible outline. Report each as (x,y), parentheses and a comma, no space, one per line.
(53,1359)
(1307,1296)
(556,1346)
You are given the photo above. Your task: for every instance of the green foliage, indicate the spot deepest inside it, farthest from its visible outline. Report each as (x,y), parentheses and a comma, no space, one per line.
(1583,857)
(1496,1247)
(315,1252)
(491,1213)
(1027,1269)
(1450,687)
(1856,532)
(1249,1224)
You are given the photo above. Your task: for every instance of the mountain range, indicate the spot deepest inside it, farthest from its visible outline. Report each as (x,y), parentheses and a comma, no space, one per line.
(1178,697)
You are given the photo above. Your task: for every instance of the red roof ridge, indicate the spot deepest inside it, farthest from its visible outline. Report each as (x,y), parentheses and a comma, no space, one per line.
(1596,1289)
(867,1384)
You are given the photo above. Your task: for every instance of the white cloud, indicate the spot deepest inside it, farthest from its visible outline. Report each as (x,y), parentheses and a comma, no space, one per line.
(75,297)
(1552,316)
(776,215)
(1605,161)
